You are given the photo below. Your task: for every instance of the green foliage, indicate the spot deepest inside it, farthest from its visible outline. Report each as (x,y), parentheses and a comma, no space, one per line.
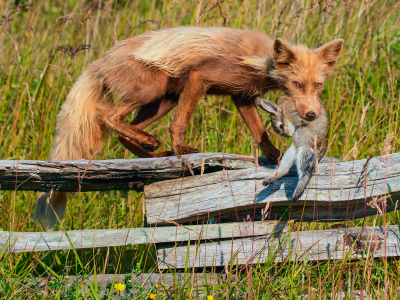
(38,67)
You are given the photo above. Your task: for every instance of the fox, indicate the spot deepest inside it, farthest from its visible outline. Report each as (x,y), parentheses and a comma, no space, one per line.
(154,72)
(309,140)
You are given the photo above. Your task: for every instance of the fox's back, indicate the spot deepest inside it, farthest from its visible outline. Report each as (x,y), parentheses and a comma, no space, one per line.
(176,49)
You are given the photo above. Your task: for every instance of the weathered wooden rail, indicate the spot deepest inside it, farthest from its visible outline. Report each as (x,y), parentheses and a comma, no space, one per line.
(81,239)
(338,191)
(115,174)
(314,245)
(223,211)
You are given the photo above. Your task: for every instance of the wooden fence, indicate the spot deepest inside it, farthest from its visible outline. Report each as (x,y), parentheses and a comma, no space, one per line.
(211,209)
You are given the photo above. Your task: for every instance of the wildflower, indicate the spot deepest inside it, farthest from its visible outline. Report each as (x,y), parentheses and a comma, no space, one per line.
(119,287)
(67,277)
(129,281)
(51,281)
(156,286)
(210,297)
(152,296)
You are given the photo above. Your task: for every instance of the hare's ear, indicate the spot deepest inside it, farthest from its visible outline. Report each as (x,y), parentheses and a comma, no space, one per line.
(269,106)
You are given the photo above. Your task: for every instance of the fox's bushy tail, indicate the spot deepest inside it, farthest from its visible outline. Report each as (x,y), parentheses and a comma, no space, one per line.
(79,135)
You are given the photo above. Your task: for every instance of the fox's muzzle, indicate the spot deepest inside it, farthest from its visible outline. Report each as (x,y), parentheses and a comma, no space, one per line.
(308,109)
(311,115)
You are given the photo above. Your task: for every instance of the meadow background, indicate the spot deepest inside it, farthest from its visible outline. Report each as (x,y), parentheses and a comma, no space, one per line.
(45,45)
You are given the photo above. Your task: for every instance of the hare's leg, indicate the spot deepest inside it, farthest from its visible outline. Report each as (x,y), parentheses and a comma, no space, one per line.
(287,161)
(306,160)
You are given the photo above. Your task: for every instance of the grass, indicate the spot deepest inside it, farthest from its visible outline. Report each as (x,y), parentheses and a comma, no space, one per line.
(39,61)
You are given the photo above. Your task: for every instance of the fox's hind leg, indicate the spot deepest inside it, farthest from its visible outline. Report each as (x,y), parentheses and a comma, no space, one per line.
(144,117)
(247,109)
(305,167)
(190,96)
(141,90)
(287,161)
(115,120)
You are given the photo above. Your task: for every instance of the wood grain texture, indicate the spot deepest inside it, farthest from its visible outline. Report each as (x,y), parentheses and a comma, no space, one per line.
(115,174)
(337,191)
(59,240)
(287,246)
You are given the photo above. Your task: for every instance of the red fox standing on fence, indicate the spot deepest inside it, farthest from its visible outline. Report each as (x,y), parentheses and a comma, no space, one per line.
(154,72)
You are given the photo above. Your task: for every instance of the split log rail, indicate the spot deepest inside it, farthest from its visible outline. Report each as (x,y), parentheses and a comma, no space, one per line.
(210,209)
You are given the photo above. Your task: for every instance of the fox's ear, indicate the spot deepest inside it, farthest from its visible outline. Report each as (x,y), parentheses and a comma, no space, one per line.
(268,106)
(283,54)
(330,52)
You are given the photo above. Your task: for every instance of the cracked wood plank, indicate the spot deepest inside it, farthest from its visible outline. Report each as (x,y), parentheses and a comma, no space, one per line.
(114,174)
(337,191)
(58,240)
(314,245)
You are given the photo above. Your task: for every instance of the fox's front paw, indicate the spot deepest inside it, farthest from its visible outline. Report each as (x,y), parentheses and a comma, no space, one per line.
(179,150)
(268,181)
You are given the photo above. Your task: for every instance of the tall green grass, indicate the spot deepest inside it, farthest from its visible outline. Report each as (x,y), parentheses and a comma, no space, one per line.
(39,63)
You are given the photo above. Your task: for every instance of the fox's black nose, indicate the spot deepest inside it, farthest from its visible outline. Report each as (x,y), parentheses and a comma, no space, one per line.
(310,115)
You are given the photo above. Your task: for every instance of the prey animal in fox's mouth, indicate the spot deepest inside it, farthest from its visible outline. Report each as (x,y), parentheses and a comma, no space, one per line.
(309,140)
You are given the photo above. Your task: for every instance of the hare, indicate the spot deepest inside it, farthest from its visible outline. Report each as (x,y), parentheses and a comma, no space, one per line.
(309,143)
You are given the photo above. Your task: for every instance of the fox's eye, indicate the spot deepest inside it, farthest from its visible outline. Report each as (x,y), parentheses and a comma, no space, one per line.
(281,126)
(318,85)
(297,85)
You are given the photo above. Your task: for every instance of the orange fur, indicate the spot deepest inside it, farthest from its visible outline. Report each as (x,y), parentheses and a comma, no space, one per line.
(159,70)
